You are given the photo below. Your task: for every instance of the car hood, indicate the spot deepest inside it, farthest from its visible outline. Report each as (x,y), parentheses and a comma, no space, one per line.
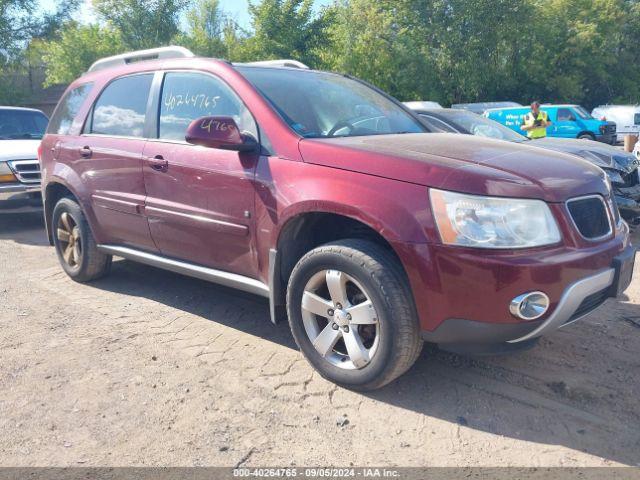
(600,154)
(461,163)
(18,149)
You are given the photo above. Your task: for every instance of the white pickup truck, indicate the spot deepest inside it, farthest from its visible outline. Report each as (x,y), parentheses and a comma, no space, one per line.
(21,130)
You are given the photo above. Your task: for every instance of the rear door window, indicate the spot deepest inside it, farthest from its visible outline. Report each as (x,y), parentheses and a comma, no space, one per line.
(68,108)
(187,96)
(120,110)
(636,119)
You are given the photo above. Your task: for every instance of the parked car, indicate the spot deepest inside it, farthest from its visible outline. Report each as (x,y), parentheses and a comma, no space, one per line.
(481,107)
(621,167)
(20,132)
(568,121)
(626,118)
(331,199)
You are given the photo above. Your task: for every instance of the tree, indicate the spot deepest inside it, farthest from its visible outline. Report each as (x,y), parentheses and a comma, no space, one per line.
(16,26)
(77,48)
(209,30)
(142,23)
(51,24)
(584,51)
(286,29)
(370,40)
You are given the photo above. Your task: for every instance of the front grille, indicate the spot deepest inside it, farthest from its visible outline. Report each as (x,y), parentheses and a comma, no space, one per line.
(590,216)
(609,128)
(27,171)
(589,304)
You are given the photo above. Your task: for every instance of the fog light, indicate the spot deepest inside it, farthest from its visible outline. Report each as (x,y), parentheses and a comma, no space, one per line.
(529,306)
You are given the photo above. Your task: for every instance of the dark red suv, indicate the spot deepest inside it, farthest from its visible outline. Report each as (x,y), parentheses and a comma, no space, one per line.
(333,200)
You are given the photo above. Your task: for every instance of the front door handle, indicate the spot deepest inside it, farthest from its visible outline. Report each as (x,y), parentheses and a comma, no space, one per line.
(158,163)
(85,152)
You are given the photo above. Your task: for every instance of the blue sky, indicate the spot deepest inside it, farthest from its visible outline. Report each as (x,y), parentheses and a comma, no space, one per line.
(236,8)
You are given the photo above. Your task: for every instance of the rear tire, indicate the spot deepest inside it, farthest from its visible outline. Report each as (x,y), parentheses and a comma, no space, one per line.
(361,348)
(76,248)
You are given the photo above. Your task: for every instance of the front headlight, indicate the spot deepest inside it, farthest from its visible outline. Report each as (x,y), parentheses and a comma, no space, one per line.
(492,222)
(6,175)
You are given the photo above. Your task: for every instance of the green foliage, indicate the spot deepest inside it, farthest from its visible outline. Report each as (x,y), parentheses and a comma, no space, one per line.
(285,29)
(12,90)
(78,47)
(209,33)
(583,51)
(16,26)
(142,23)
(51,23)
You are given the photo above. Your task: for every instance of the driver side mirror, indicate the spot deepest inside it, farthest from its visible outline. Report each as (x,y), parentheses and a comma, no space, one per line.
(219,132)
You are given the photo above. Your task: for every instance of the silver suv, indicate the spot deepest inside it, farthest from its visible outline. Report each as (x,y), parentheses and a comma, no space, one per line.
(21,130)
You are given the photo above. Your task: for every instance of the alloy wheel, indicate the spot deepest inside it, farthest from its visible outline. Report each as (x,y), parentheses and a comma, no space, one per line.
(340,319)
(69,238)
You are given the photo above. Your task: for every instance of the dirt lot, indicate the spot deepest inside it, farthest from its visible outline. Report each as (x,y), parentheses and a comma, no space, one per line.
(147,367)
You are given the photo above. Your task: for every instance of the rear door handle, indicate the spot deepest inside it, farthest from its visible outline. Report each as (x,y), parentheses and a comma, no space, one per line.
(85,152)
(158,163)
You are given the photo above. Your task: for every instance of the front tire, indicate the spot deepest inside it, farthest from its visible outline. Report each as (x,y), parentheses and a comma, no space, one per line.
(586,136)
(352,314)
(76,248)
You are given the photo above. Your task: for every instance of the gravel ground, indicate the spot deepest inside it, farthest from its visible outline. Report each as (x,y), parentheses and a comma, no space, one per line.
(147,367)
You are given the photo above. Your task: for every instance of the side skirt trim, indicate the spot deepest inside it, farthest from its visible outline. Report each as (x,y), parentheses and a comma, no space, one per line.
(227,279)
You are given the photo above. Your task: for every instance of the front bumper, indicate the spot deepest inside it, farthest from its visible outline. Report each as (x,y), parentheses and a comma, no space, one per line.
(463,295)
(20,198)
(610,138)
(577,301)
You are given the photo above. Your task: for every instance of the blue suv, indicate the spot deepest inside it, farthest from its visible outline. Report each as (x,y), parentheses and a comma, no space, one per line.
(568,121)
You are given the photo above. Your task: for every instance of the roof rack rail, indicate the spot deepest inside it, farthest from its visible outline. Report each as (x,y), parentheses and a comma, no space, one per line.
(277,63)
(141,55)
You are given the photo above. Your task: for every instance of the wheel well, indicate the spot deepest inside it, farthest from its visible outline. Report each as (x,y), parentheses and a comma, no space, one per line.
(581,134)
(53,193)
(308,231)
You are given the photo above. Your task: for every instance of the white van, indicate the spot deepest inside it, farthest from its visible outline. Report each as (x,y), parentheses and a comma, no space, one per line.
(626,118)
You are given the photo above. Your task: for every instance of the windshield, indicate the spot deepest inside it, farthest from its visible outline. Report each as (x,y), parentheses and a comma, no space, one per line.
(22,124)
(482,126)
(582,113)
(321,105)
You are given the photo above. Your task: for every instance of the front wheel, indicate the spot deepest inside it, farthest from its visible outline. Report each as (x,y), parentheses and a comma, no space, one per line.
(352,314)
(586,136)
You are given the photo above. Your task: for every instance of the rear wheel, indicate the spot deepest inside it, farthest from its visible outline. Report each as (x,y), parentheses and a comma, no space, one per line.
(77,250)
(352,314)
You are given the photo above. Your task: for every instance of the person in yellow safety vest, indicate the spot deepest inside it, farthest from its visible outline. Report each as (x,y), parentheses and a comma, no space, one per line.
(536,122)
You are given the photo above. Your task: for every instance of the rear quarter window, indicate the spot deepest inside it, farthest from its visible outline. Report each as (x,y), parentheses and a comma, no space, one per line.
(68,108)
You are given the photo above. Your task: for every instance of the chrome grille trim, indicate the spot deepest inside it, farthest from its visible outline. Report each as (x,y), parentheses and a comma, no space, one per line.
(26,171)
